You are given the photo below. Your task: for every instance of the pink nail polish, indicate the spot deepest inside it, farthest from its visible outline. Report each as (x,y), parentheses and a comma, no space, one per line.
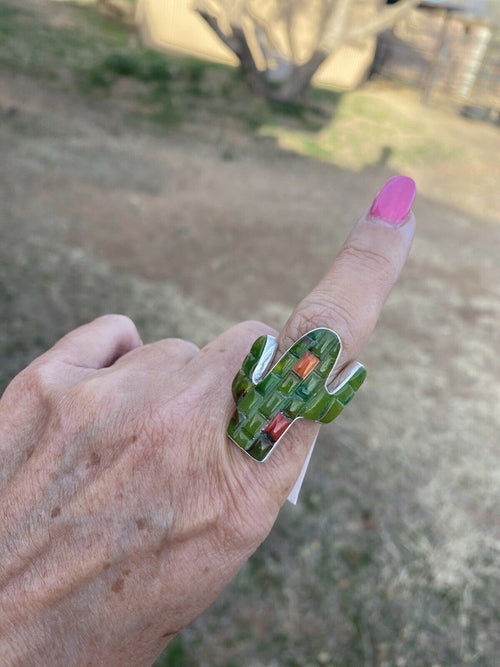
(393,202)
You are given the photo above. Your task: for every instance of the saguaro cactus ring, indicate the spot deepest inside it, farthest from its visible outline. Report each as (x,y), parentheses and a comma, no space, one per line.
(268,400)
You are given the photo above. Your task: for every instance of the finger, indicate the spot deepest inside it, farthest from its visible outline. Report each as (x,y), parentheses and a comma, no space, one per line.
(97,344)
(352,293)
(348,299)
(161,359)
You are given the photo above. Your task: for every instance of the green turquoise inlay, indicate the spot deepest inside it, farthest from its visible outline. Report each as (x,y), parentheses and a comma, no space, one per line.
(282,390)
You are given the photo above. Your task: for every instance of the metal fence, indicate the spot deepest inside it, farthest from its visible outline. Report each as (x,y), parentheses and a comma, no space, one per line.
(450,57)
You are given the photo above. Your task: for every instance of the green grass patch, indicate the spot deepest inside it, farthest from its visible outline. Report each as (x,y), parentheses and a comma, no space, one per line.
(30,44)
(141,64)
(365,131)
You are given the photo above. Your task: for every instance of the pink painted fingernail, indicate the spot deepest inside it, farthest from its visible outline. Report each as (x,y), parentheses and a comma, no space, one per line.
(393,202)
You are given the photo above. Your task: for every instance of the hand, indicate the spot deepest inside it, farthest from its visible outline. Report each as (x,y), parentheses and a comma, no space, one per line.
(125,509)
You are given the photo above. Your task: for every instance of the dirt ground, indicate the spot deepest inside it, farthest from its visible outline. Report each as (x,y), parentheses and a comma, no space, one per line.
(392,555)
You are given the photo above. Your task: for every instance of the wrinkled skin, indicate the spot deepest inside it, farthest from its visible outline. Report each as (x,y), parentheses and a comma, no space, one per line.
(124,508)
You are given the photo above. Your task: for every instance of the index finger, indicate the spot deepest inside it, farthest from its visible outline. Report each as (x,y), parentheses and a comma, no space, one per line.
(348,300)
(351,295)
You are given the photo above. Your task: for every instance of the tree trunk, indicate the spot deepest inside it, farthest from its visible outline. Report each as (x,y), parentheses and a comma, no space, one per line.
(253,76)
(298,81)
(290,89)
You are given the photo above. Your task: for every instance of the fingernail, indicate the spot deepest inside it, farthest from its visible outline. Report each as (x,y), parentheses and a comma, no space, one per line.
(393,202)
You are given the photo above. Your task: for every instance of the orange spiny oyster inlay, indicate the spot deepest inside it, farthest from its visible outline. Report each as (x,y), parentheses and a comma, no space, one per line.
(277,426)
(306,364)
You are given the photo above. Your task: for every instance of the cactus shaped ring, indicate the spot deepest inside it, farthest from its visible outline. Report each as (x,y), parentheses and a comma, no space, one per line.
(269,398)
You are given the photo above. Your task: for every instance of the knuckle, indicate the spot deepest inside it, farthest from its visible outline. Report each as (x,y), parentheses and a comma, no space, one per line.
(323,311)
(116,318)
(376,262)
(122,322)
(35,382)
(252,329)
(179,346)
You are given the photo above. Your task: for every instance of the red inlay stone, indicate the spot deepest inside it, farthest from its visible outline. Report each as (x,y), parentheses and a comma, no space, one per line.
(306,364)
(277,426)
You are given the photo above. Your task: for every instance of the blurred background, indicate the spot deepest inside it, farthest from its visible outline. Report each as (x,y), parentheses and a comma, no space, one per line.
(192,164)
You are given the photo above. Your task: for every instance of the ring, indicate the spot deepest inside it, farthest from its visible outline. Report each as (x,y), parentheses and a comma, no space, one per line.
(268,400)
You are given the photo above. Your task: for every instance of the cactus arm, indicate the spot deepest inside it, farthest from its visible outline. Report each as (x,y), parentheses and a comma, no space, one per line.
(334,401)
(265,359)
(254,365)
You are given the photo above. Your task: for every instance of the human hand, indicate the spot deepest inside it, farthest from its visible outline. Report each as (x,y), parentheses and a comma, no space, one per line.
(125,509)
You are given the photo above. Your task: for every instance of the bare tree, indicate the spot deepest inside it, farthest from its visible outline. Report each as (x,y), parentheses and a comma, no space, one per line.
(281,43)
